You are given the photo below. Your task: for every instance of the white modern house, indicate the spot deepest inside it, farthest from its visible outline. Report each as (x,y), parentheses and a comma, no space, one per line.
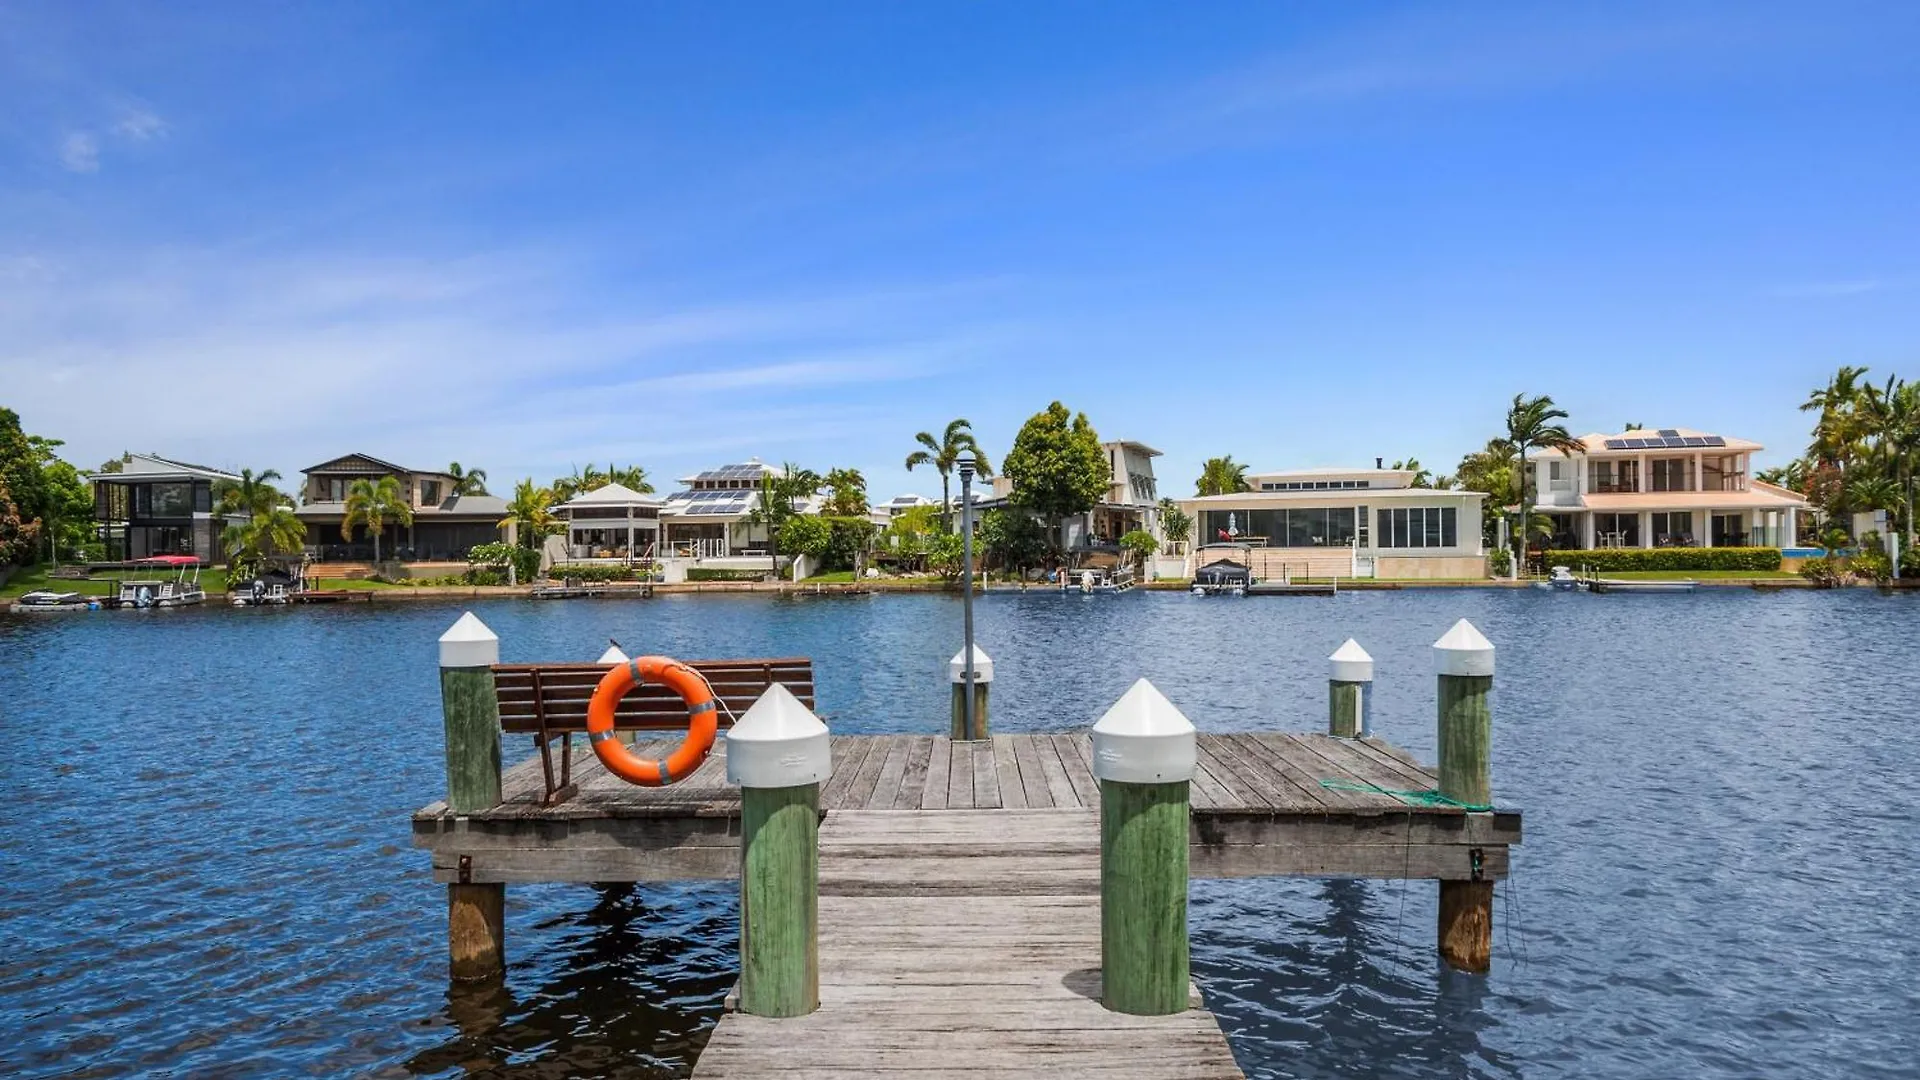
(1340,523)
(1672,487)
(1132,502)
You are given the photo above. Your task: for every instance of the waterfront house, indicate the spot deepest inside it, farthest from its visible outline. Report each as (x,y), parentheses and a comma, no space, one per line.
(1673,487)
(158,506)
(611,522)
(709,518)
(445,526)
(1341,523)
(1131,503)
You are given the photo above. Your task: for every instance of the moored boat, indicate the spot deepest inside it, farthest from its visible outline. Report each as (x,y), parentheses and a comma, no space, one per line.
(43,602)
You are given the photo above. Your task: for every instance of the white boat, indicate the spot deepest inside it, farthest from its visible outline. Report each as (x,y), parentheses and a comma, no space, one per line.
(42,602)
(158,592)
(1559,579)
(1097,581)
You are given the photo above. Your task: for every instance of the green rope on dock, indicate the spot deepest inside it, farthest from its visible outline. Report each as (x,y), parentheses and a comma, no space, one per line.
(1410,797)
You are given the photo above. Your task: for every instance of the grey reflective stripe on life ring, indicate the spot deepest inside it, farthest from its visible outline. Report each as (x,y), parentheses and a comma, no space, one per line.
(665,776)
(599,736)
(633,669)
(705,706)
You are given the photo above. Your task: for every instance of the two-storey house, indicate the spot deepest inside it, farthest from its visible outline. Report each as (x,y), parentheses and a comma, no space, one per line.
(1673,487)
(156,506)
(444,526)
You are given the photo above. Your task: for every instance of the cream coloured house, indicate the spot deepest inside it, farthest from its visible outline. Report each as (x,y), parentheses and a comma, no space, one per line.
(1671,487)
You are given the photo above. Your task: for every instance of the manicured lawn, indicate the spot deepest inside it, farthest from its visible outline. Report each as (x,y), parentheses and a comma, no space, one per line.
(831,577)
(213,579)
(1697,575)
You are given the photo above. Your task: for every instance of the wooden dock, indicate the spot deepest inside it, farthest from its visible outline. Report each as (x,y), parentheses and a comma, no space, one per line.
(1263,804)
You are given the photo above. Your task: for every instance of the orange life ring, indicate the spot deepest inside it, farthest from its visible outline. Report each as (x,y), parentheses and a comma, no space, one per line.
(703,722)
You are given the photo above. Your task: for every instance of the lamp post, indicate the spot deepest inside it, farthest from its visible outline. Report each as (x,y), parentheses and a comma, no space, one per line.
(967,465)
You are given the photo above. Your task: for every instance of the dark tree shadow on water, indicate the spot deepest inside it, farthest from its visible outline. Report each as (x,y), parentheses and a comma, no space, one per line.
(626,981)
(1338,979)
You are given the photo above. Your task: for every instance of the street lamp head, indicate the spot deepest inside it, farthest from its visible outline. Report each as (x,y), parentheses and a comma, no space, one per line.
(967,466)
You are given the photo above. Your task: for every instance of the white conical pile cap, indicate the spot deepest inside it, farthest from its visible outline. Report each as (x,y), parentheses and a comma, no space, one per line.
(778,743)
(1143,739)
(1350,663)
(468,643)
(982,666)
(613,655)
(1463,650)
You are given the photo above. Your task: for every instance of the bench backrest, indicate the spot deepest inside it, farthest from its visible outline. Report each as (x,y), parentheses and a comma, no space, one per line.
(555,696)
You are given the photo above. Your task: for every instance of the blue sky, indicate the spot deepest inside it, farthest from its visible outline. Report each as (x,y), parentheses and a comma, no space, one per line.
(531,236)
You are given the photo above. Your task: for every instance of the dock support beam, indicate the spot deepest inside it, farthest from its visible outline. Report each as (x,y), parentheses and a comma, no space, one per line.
(1463,660)
(982,681)
(1143,757)
(778,753)
(476,913)
(1349,692)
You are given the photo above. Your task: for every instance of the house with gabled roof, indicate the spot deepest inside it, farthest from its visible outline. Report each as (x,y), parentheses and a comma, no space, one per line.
(444,527)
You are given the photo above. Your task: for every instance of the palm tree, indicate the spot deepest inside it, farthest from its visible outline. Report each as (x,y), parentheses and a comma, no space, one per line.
(251,495)
(467,481)
(778,494)
(1530,426)
(1837,433)
(944,454)
(1222,476)
(1175,525)
(530,513)
(846,493)
(1422,478)
(632,477)
(272,531)
(373,503)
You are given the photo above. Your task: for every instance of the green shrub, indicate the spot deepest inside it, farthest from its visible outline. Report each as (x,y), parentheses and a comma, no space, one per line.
(1873,564)
(1616,559)
(597,573)
(1826,571)
(1500,562)
(708,573)
(1910,561)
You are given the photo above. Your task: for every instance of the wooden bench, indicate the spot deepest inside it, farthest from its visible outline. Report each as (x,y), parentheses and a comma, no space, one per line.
(549,702)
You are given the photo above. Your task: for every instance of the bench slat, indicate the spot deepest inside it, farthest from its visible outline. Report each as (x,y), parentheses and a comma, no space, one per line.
(557,695)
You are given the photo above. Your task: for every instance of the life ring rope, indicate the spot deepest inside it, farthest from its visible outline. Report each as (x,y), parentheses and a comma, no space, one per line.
(702,720)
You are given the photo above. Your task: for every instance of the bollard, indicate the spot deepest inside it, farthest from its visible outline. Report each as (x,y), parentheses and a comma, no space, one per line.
(982,679)
(476,912)
(1143,756)
(779,753)
(1463,660)
(1350,692)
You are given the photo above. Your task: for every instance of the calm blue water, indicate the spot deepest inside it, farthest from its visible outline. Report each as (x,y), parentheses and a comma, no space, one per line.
(204,867)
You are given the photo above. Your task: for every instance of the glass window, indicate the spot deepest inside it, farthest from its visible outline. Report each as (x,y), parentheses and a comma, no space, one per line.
(172,500)
(1671,474)
(1449,527)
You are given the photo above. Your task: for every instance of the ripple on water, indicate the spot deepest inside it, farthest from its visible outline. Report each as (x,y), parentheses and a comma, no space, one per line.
(213,878)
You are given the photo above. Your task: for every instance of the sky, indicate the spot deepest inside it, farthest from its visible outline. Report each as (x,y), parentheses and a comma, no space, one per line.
(531,236)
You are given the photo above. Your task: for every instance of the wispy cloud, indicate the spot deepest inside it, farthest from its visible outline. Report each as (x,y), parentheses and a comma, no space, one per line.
(80,152)
(139,124)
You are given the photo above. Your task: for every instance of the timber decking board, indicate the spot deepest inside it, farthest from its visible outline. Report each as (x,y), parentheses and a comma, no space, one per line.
(1005,983)
(1258,808)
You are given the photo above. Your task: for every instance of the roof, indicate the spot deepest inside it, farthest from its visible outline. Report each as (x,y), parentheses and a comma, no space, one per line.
(612,495)
(1641,439)
(750,469)
(473,507)
(148,467)
(1329,474)
(721,503)
(1771,498)
(1355,496)
(341,464)
(1132,445)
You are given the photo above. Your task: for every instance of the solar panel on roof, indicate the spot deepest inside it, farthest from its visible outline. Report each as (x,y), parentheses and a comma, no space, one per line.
(1694,440)
(1669,433)
(1715,440)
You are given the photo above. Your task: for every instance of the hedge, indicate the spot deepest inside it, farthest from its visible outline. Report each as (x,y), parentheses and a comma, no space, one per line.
(595,573)
(708,573)
(1724,558)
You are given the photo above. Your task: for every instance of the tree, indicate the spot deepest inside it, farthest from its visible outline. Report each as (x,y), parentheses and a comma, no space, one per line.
(944,454)
(1011,538)
(779,502)
(47,497)
(274,530)
(1174,522)
(1141,545)
(374,503)
(19,536)
(631,477)
(1222,476)
(530,514)
(1530,426)
(846,493)
(1057,466)
(467,481)
(251,495)
(1421,477)
(806,534)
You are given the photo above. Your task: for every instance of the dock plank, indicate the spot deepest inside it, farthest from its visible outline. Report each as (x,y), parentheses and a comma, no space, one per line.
(1004,985)
(1006,772)
(1032,779)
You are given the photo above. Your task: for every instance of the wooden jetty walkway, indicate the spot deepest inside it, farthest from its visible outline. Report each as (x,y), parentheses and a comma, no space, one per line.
(927,906)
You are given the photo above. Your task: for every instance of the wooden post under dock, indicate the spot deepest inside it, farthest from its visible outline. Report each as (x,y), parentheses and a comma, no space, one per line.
(476,911)
(1349,691)
(982,682)
(1463,661)
(780,757)
(1143,756)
